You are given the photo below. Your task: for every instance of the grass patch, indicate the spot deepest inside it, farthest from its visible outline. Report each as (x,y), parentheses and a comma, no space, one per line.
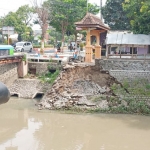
(49,77)
(137,87)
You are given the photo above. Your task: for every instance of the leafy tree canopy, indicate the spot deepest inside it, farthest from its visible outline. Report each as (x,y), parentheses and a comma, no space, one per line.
(67,12)
(138,11)
(25,13)
(20,20)
(115,16)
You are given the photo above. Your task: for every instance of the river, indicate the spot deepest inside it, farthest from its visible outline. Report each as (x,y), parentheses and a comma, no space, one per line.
(23,127)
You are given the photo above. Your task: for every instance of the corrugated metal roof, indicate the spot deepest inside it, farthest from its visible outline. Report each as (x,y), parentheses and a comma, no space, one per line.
(127,39)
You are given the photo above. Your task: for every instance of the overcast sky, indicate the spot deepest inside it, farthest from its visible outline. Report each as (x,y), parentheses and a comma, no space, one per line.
(13,5)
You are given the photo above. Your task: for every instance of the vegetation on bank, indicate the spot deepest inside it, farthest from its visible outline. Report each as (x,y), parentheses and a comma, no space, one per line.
(130,97)
(51,75)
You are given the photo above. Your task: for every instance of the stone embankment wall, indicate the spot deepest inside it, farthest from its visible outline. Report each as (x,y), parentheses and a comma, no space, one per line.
(123,64)
(124,75)
(125,69)
(40,67)
(8,73)
(28,88)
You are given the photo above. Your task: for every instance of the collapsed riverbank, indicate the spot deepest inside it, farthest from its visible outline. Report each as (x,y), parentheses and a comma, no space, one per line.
(88,89)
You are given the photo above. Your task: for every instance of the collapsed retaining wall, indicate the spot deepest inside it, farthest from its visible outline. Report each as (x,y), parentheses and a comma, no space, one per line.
(8,73)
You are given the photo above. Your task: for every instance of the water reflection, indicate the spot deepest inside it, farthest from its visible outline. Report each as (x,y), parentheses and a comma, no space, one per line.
(23,127)
(24,139)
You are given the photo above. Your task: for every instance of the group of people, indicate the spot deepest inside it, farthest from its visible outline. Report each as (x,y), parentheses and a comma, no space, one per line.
(75,50)
(72,48)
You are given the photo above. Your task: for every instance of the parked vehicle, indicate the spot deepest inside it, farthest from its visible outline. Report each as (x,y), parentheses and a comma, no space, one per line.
(23,47)
(6,50)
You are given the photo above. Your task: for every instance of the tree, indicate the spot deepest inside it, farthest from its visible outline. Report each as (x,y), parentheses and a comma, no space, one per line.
(79,13)
(60,11)
(1,25)
(11,19)
(56,35)
(20,21)
(25,13)
(138,11)
(67,12)
(115,16)
(43,17)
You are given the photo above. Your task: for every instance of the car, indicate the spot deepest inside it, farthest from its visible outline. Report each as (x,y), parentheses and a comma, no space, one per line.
(23,47)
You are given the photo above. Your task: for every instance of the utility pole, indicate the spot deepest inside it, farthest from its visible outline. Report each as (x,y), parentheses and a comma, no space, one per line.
(101,9)
(87,7)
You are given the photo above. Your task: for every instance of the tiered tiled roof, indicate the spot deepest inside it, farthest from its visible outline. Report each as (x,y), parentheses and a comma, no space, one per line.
(91,21)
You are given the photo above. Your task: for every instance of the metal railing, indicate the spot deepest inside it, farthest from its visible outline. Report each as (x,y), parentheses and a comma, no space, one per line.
(129,56)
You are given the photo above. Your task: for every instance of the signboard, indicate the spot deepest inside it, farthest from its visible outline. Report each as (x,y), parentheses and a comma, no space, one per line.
(8,30)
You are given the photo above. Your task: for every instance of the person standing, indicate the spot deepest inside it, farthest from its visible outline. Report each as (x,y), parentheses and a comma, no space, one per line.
(56,55)
(74,47)
(71,47)
(75,54)
(38,52)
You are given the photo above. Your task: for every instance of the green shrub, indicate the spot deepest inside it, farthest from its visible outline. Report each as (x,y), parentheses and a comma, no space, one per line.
(36,46)
(125,84)
(45,46)
(49,77)
(147,86)
(48,46)
(24,57)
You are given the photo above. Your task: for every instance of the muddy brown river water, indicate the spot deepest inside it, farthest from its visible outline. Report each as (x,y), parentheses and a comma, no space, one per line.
(23,127)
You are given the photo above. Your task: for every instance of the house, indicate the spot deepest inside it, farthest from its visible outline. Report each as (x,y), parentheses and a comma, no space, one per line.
(125,43)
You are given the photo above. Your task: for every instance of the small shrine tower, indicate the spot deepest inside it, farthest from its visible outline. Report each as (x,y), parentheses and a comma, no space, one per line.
(93,26)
